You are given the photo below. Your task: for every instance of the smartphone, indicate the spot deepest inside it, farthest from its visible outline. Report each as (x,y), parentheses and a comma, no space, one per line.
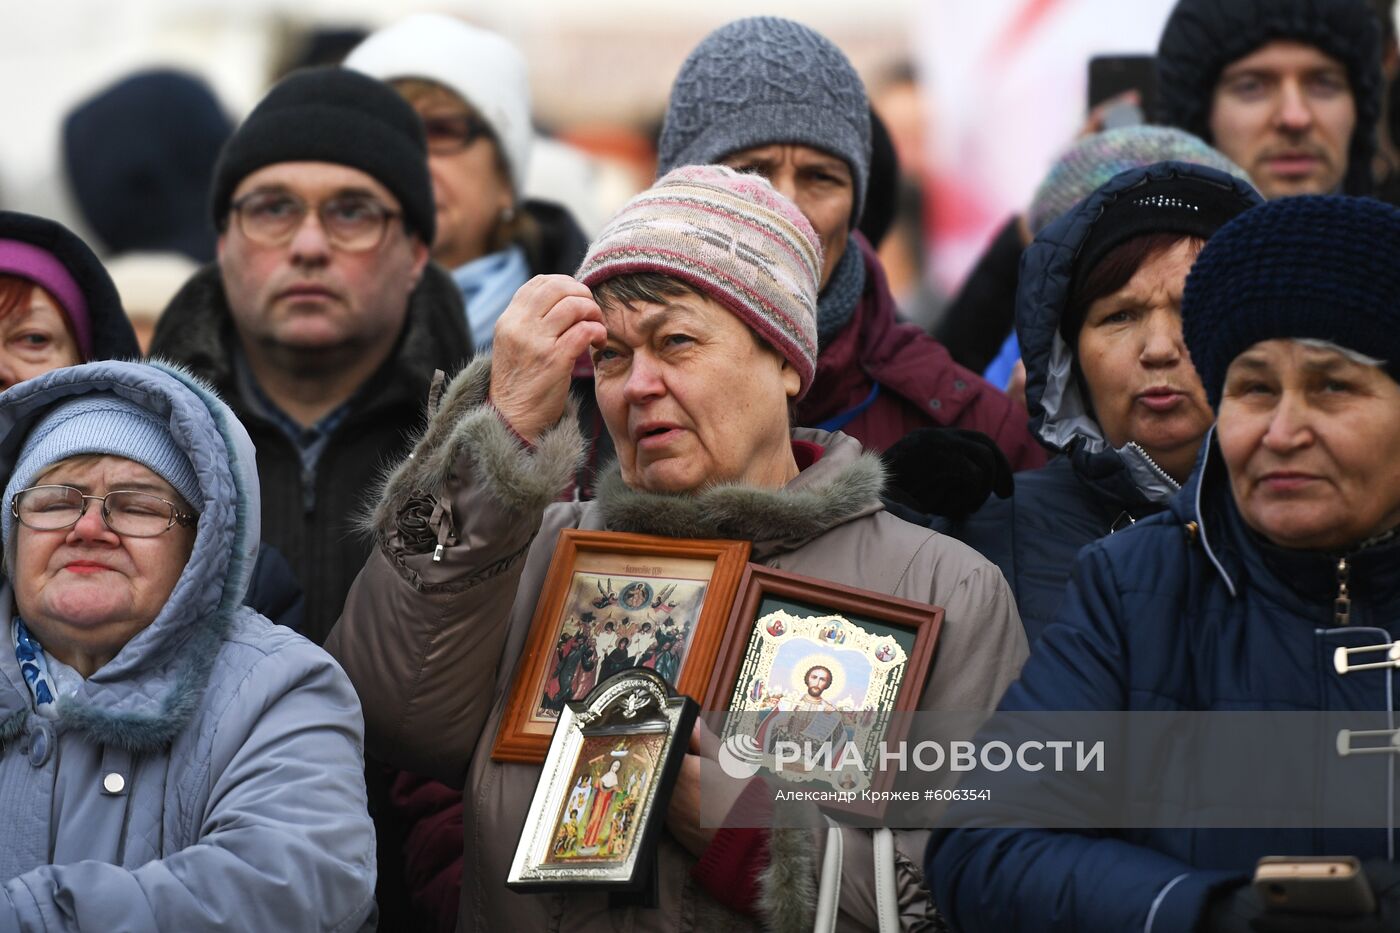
(1111,75)
(1329,885)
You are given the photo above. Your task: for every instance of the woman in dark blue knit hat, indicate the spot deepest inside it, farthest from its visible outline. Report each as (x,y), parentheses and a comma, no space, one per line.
(1270,582)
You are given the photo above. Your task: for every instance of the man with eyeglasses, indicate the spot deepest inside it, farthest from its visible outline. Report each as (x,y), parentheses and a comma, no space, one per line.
(322,321)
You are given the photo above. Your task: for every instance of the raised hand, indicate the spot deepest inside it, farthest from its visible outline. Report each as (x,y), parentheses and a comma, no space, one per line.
(549,323)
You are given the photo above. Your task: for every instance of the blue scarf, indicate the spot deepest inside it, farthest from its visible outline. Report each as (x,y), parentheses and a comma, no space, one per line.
(488,283)
(35,668)
(836,304)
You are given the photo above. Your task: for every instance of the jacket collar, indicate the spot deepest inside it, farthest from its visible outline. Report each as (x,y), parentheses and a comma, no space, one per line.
(197,329)
(841,486)
(874,347)
(1243,557)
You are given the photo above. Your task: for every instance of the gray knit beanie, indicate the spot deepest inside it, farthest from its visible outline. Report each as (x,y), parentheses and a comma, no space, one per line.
(100,424)
(765,80)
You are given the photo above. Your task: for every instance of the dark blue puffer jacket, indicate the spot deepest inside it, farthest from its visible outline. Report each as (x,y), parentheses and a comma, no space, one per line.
(1187,610)
(1092,488)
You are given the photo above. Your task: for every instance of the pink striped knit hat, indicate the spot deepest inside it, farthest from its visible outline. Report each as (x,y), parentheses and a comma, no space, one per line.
(733,238)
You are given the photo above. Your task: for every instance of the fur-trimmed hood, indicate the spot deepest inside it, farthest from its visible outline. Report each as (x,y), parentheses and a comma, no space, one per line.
(143,697)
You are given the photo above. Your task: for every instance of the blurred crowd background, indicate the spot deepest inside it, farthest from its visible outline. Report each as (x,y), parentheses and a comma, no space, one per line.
(979,99)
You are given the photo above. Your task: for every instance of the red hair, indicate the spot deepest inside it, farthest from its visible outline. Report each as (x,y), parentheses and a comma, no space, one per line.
(15,293)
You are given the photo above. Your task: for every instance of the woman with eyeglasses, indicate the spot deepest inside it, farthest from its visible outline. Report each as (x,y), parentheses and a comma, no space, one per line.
(169,759)
(472,89)
(59,307)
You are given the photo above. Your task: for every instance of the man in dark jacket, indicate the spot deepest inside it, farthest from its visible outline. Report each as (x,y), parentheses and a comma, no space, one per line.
(322,321)
(771,96)
(1288,89)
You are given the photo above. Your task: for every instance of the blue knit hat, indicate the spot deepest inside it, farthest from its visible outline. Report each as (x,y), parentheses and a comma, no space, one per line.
(1320,267)
(766,80)
(100,424)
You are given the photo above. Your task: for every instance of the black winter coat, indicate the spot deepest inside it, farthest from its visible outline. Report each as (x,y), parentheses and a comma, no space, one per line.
(316,528)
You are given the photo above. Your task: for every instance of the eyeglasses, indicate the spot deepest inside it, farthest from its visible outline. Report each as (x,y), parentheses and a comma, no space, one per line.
(352,222)
(453,132)
(128,513)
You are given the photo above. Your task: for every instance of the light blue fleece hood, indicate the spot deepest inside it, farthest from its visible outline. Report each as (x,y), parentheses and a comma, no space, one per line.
(144,696)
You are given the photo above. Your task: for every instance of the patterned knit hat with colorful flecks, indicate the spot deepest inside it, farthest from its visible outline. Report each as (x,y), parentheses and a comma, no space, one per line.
(733,238)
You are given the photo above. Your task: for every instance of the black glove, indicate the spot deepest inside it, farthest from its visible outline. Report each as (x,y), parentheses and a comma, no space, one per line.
(946,471)
(1242,910)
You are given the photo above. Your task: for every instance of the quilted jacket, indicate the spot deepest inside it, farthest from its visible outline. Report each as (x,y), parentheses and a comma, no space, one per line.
(1092,488)
(210,776)
(1187,610)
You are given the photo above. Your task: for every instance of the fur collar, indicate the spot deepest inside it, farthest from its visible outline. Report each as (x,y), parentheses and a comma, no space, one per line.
(843,485)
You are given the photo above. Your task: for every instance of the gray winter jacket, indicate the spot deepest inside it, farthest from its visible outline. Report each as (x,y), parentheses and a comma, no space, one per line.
(433,645)
(210,776)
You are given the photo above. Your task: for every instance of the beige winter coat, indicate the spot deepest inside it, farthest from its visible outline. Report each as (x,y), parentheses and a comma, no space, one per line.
(432,645)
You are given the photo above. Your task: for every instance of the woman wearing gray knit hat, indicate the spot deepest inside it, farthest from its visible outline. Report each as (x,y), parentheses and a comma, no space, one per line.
(1269,584)
(774,97)
(169,758)
(698,303)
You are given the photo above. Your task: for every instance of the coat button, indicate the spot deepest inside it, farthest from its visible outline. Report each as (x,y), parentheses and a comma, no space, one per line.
(113,783)
(40,743)
(935,404)
(959,384)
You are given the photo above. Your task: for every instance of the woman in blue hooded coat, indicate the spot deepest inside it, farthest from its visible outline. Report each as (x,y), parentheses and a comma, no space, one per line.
(1109,383)
(169,759)
(1267,582)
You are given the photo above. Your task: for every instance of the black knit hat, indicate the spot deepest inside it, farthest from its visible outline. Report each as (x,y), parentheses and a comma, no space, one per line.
(333,115)
(112,336)
(1202,37)
(1321,267)
(1189,205)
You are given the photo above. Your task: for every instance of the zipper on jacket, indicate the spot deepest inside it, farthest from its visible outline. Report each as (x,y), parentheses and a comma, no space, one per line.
(308,490)
(441,521)
(1161,473)
(1341,607)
